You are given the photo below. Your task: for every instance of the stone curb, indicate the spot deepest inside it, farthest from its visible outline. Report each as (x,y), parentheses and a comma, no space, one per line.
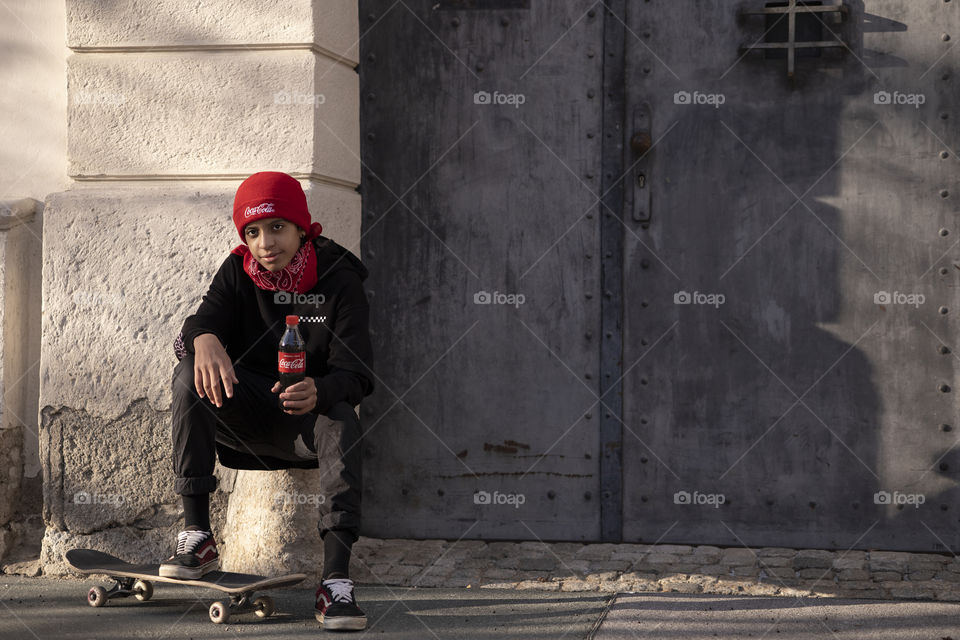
(606,567)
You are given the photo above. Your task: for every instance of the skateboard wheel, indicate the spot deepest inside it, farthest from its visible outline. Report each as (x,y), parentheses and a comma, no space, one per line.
(97,596)
(143,590)
(219,613)
(264,606)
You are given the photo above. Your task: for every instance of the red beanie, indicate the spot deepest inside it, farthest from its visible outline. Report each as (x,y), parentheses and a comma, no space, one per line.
(270,194)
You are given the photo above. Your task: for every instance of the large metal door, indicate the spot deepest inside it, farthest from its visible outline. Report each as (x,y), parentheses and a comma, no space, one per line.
(789,286)
(481,152)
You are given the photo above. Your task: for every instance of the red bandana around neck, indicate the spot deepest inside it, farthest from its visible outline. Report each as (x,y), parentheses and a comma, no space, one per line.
(299,276)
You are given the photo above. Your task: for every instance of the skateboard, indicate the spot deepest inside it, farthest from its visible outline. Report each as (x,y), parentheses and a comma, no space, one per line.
(137,580)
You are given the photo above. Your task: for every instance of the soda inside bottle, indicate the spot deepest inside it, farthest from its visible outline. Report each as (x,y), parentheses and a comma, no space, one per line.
(291,356)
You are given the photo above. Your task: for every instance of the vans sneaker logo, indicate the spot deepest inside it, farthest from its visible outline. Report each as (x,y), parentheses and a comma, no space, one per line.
(206,551)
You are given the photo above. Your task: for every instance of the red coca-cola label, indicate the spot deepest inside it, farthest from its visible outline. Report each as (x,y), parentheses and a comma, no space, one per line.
(292,362)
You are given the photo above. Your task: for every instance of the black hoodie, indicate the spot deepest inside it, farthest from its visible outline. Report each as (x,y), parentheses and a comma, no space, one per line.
(334,323)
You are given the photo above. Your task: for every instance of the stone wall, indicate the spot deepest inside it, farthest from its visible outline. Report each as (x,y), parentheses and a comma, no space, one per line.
(168,111)
(20,232)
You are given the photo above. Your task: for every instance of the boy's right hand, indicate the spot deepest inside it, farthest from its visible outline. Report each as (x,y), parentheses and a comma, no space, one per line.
(211,365)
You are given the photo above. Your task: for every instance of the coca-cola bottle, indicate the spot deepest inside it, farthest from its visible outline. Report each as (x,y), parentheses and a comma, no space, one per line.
(292,356)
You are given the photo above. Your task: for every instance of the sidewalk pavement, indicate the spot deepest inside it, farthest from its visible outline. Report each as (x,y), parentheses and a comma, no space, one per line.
(42,608)
(717,617)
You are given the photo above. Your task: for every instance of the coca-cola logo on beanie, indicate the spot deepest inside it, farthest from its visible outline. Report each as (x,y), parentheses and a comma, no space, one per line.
(266,207)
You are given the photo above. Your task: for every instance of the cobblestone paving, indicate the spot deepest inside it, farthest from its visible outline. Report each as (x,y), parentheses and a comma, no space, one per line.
(605,567)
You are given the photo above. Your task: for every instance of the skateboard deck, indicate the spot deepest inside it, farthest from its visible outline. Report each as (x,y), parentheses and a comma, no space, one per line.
(137,580)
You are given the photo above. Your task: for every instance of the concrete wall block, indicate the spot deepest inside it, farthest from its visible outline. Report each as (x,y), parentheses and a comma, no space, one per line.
(336,28)
(331,25)
(186,113)
(338,210)
(122,268)
(92,23)
(336,120)
(108,473)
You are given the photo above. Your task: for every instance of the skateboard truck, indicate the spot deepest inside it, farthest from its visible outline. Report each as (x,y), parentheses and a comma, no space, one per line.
(122,588)
(222,611)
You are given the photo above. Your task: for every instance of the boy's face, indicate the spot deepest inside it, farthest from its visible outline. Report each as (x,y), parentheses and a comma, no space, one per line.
(272,241)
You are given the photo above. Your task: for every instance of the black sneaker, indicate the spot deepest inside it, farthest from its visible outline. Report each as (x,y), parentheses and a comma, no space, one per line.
(336,607)
(196,555)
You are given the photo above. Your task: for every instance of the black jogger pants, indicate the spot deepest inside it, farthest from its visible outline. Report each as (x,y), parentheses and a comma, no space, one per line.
(252,424)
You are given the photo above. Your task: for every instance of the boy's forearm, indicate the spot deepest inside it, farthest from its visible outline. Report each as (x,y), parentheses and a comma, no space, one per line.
(190,339)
